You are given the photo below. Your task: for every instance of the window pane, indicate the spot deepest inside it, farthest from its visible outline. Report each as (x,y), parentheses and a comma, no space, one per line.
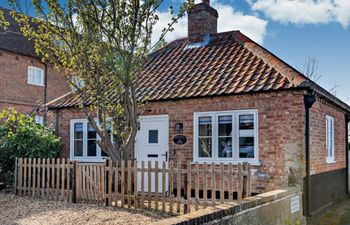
(103,153)
(204,148)
(205,126)
(78,82)
(225,147)
(246,147)
(91,132)
(246,122)
(78,148)
(30,75)
(91,147)
(225,125)
(78,130)
(38,76)
(153,136)
(39,120)
(109,131)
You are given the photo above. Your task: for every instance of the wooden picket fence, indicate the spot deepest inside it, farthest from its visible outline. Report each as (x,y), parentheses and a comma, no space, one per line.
(174,187)
(49,178)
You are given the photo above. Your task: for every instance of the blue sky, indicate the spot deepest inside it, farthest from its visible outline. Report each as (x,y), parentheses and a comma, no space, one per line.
(293,30)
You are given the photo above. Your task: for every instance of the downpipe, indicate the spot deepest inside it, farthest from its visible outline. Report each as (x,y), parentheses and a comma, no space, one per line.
(309,100)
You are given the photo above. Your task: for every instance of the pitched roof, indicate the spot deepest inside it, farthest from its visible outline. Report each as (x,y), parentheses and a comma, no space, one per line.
(230,64)
(225,66)
(13,40)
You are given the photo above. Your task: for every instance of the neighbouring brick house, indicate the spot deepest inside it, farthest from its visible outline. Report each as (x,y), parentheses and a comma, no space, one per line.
(221,97)
(26,83)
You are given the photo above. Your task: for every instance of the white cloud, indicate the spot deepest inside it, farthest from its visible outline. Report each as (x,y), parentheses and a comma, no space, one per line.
(250,25)
(304,11)
(229,19)
(180,28)
(342,12)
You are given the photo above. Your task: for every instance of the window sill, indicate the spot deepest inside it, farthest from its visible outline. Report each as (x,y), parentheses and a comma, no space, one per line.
(87,160)
(39,85)
(253,163)
(331,161)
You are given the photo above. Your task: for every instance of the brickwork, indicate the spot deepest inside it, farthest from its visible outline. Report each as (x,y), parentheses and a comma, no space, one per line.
(14,88)
(20,107)
(281,129)
(319,112)
(65,116)
(270,208)
(202,20)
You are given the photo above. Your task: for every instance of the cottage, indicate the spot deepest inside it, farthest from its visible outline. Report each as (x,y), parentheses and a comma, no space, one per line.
(221,97)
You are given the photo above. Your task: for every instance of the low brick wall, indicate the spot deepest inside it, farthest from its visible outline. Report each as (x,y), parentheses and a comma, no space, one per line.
(270,208)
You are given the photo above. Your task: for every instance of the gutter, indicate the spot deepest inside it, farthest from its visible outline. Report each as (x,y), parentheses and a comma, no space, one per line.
(323,93)
(184,98)
(309,100)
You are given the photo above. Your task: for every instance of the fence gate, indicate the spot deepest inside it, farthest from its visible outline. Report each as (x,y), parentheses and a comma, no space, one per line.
(90,183)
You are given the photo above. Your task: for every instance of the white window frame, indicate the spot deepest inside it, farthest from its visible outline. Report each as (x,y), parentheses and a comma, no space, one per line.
(85,158)
(235,137)
(330,140)
(78,82)
(31,80)
(39,119)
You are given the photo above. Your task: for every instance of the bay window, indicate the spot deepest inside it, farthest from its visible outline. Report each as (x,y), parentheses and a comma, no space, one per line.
(84,145)
(226,136)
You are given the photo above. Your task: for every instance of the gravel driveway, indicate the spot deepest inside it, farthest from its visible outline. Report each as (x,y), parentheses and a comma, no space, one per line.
(29,211)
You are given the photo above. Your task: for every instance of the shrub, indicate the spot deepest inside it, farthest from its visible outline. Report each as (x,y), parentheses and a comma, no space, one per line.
(21,136)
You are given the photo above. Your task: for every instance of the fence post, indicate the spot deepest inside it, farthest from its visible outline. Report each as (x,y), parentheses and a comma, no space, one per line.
(189,189)
(75,181)
(20,176)
(249,173)
(109,183)
(16,168)
(239,182)
(185,190)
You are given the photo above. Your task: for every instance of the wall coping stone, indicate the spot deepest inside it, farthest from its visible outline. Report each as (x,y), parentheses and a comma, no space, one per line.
(213,213)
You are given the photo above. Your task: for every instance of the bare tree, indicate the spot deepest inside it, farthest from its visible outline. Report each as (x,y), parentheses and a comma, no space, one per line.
(311,71)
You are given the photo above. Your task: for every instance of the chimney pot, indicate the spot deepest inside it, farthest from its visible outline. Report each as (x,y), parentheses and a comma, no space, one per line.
(207,2)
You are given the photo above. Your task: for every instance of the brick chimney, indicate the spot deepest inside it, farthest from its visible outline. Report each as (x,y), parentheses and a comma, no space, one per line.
(202,20)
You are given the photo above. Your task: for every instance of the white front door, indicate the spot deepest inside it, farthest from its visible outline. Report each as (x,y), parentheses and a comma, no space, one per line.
(152,144)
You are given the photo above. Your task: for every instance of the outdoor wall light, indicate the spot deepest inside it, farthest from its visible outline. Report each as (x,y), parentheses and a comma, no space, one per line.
(179,128)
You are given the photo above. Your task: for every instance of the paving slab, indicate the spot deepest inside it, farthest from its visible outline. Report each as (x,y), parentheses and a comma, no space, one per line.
(337,215)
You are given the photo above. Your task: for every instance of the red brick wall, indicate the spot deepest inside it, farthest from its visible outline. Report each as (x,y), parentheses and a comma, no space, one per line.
(14,89)
(65,116)
(318,137)
(281,130)
(25,109)
(56,84)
